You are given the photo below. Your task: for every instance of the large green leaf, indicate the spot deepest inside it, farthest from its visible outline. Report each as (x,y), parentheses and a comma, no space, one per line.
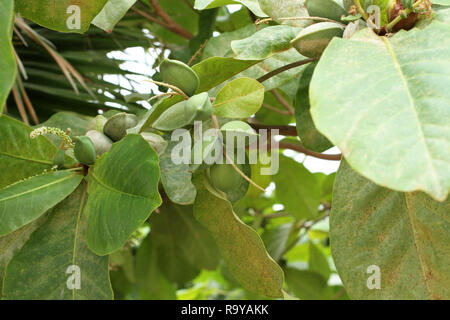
(20,156)
(240,246)
(404,234)
(215,70)
(25,201)
(151,281)
(391,106)
(59,15)
(11,244)
(310,137)
(112,12)
(7,62)
(123,191)
(40,269)
(279,9)
(307,284)
(179,238)
(239,98)
(297,189)
(265,43)
(208,4)
(176,178)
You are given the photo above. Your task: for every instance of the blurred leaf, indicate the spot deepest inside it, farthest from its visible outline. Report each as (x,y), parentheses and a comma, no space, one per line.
(112,13)
(250,4)
(318,262)
(7,62)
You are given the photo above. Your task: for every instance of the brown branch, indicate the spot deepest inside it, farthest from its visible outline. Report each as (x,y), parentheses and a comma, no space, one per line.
(299,148)
(285,68)
(171,24)
(290,131)
(283,101)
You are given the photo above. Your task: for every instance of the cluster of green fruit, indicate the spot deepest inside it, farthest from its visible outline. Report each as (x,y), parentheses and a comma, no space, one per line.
(312,41)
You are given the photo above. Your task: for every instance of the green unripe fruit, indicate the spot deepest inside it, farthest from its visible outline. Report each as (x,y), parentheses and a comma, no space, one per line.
(200,107)
(180,75)
(224,177)
(116,126)
(326,9)
(177,116)
(155,141)
(312,41)
(101,142)
(84,150)
(238,129)
(96,124)
(59,159)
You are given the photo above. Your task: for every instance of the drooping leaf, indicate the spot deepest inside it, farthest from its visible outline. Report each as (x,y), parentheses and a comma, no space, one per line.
(310,137)
(264,43)
(239,98)
(176,178)
(62,15)
(297,189)
(25,201)
(123,191)
(240,246)
(392,106)
(112,13)
(318,262)
(45,265)
(308,284)
(20,156)
(7,62)
(151,281)
(215,70)
(405,235)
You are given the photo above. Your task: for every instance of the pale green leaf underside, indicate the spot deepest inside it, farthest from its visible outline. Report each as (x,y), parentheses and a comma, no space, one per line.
(240,246)
(239,98)
(123,191)
(25,201)
(253,5)
(20,156)
(389,113)
(405,234)
(38,270)
(8,61)
(57,15)
(280,9)
(112,13)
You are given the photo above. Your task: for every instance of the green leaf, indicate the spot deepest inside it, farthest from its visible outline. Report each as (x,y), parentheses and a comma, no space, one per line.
(176,178)
(310,137)
(215,70)
(391,105)
(404,234)
(239,98)
(318,262)
(8,61)
(297,189)
(266,116)
(112,13)
(279,9)
(240,246)
(20,156)
(64,120)
(208,4)
(151,281)
(191,239)
(11,244)
(123,181)
(40,269)
(25,201)
(264,43)
(276,239)
(62,14)
(307,284)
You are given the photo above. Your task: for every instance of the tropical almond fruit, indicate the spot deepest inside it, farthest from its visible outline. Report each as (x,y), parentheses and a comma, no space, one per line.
(177,116)
(179,74)
(326,9)
(84,150)
(200,104)
(116,126)
(101,142)
(312,41)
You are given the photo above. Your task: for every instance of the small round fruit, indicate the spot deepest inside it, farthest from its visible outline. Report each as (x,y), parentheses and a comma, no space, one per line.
(116,126)
(325,8)
(84,150)
(200,107)
(224,177)
(180,75)
(155,141)
(59,159)
(97,123)
(312,41)
(101,142)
